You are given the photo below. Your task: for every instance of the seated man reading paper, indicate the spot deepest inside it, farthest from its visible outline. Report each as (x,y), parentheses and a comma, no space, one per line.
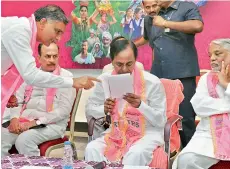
(49,108)
(138,119)
(211,103)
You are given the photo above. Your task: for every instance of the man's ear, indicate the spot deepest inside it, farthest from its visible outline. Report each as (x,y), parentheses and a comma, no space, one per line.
(39,57)
(42,23)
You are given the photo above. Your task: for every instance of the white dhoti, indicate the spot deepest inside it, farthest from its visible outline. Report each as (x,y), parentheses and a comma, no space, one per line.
(139,154)
(198,154)
(28,141)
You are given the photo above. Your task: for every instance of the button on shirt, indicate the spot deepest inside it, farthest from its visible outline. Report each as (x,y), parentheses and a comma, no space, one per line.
(175,55)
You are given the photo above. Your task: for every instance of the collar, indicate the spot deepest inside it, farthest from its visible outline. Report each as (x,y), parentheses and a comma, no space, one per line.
(174,5)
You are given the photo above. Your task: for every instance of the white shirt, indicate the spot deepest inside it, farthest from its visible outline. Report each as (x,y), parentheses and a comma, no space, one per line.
(205,106)
(137,22)
(88,60)
(36,107)
(125,19)
(16,35)
(154,110)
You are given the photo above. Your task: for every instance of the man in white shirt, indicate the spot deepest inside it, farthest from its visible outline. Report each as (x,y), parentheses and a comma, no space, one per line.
(41,107)
(206,147)
(84,57)
(138,119)
(18,39)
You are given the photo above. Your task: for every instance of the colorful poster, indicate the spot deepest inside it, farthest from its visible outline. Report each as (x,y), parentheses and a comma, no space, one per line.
(97,22)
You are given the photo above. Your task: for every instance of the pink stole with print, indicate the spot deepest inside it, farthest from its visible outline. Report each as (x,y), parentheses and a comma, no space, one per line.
(220,124)
(128,127)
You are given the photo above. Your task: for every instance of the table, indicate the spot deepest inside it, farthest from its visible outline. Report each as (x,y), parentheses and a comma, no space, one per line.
(16,161)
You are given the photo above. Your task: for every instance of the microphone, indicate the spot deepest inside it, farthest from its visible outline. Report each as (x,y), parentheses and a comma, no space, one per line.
(100,165)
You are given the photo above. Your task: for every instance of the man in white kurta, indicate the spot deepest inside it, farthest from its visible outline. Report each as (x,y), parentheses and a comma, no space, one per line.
(153,111)
(27,141)
(16,35)
(18,39)
(199,153)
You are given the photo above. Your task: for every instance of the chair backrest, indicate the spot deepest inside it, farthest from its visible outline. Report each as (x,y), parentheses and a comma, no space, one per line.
(174,96)
(71,123)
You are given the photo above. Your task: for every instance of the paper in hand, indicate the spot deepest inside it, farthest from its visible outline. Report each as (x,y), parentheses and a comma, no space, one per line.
(119,85)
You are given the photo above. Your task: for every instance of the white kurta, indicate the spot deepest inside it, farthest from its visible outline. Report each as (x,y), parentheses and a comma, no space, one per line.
(27,142)
(200,147)
(16,35)
(140,153)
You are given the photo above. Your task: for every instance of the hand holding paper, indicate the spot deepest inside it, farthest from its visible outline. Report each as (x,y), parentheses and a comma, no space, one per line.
(133,99)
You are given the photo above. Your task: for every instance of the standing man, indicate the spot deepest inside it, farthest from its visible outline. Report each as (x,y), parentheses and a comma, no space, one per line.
(171,34)
(18,39)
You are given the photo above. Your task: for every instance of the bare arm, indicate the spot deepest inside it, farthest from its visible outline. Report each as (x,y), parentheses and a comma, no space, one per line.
(113,18)
(75,19)
(94,14)
(93,17)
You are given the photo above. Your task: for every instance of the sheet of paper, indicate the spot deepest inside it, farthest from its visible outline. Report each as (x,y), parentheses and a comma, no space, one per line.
(135,167)
(120,84)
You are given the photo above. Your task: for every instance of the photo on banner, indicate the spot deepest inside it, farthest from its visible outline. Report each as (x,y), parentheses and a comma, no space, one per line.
(96,22)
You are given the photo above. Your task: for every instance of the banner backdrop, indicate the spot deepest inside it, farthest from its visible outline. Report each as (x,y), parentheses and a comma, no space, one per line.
(95,23)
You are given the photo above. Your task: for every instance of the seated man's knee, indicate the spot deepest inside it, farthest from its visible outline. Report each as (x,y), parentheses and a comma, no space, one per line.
(141,156)
(185,160)
(91,147)
(21,142)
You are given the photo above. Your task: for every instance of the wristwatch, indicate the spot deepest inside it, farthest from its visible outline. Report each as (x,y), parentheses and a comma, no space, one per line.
(38,122)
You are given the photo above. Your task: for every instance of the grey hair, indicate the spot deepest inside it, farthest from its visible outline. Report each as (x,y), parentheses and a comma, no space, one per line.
(225,43)
(51,12)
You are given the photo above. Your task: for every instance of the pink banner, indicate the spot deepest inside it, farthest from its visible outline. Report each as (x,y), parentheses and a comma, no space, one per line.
(214,13)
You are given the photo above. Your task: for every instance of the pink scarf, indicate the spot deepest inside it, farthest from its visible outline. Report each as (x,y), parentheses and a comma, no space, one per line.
(12,80)
(50,94)
(220,124)
(128,127)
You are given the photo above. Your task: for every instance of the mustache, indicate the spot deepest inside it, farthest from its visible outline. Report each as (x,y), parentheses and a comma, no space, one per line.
(51,64)
(153,13)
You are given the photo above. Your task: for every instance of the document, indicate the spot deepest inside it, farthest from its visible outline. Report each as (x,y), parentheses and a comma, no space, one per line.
(116,86)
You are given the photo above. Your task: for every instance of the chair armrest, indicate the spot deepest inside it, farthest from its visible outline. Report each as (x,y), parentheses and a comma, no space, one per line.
(91,126)
(167,130)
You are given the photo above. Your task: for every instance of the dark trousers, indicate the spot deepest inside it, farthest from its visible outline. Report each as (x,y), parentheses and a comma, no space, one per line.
(186,110)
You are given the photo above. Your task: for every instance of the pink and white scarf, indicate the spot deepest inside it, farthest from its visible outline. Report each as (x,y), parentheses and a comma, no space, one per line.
(220,124)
